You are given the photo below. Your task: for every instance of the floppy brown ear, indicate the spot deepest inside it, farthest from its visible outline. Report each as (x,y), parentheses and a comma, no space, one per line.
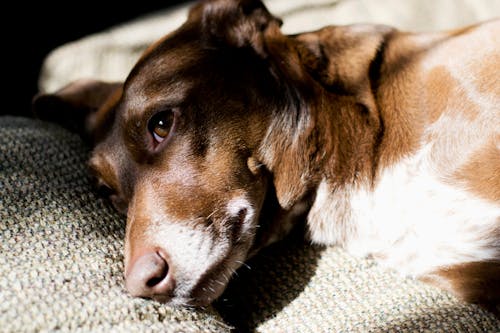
(238,23)
(83,106)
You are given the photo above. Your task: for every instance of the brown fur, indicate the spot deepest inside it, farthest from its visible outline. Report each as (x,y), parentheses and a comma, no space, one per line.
(264,118)
(474,282)
(481,173)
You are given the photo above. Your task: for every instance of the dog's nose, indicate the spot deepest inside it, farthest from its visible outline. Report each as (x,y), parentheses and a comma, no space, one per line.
(149,276)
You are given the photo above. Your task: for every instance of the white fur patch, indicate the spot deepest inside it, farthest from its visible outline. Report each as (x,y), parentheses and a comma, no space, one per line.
(329,219)
(412,221)
(237,205)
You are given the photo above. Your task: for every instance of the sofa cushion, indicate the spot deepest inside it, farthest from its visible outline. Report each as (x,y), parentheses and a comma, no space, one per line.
(296,287)
(61,247)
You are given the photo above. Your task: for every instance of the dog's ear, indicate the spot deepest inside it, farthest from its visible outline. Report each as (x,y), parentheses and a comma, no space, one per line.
(83,106)
(238,23)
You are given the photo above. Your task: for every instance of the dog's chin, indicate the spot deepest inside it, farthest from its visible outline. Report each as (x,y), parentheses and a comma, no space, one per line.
(213,284)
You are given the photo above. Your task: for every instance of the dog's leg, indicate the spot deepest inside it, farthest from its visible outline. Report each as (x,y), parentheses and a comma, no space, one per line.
(474,282)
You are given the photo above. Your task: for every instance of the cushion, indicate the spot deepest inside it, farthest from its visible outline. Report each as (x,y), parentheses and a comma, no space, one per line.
(296,287)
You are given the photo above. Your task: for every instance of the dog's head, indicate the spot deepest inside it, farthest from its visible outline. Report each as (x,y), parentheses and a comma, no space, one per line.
(191,147)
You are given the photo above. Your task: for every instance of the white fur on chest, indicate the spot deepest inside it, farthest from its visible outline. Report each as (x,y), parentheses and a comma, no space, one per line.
(412,221)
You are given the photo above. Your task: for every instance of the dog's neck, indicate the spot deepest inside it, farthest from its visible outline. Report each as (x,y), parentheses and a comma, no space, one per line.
(351,122)
(334,129)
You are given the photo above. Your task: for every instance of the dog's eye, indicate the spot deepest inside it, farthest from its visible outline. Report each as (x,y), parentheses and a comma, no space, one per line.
(160,124)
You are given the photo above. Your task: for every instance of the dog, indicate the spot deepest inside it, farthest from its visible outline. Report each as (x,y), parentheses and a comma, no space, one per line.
(227,133)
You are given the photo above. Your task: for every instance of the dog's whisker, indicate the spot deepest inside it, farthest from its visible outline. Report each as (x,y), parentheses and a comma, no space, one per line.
(243,264)
(212,213)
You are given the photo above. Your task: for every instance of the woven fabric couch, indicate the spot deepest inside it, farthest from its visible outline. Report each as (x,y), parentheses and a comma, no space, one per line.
(61,246)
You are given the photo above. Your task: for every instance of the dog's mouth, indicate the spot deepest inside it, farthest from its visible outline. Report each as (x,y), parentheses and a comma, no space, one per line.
(215,280)
(212,284)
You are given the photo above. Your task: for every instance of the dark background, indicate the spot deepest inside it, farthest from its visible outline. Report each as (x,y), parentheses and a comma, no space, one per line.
(36,29)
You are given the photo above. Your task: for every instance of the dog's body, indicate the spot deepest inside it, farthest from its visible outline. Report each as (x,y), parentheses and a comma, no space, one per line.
(227,132)
(430,192)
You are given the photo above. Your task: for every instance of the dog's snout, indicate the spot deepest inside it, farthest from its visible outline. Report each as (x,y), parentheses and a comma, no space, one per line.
(150,276)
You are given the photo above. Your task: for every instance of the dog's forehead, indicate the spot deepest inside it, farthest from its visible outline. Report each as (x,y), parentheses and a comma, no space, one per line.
(162,74)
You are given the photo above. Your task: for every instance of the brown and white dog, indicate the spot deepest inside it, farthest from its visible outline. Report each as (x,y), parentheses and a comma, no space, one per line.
(226,132)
